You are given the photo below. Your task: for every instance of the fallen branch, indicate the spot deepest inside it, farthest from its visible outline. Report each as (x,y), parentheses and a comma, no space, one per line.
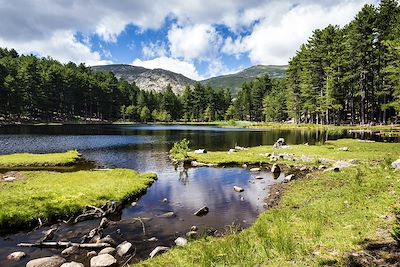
(64,245)
(143,227)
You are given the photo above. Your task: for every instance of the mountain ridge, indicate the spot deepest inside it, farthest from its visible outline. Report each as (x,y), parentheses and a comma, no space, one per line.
(157,79)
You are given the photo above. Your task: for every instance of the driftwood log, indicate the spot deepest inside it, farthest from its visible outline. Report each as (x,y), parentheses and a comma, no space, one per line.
(65,245)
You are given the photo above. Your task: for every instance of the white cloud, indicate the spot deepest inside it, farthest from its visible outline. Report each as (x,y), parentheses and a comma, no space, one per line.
(200,41)
(62,45)
(154,49)
(171,64)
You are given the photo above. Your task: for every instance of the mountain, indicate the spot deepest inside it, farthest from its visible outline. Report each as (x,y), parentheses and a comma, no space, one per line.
(158,79)
(234,81)
(148,79)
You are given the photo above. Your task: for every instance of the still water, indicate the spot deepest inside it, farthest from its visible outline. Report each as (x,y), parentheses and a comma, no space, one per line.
(145,148)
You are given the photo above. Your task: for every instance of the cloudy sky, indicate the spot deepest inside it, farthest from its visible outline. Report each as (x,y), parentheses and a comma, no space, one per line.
(198,38)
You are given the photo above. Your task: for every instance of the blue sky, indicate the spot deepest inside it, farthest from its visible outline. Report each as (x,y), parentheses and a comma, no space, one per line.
(198,38)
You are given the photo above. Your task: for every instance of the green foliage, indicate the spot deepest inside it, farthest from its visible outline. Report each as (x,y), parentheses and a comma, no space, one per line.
(162,116)
(180,149)
(144,114)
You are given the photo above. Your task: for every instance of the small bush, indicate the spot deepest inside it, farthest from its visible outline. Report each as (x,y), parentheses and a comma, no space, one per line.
(180,149)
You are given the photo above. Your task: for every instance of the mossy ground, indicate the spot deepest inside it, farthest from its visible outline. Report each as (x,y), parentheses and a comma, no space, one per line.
(50,195)
(320,219)
(36,160)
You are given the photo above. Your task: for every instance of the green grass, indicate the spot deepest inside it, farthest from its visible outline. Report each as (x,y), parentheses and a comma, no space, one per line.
(52,195)
(318,221)
(36,160)
(320,218)
(364,152)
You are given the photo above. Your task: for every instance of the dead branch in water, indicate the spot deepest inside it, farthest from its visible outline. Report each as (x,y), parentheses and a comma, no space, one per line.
(64,245)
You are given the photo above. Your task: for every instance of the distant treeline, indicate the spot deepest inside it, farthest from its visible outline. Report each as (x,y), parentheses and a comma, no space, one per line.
(349,74)
(341,75)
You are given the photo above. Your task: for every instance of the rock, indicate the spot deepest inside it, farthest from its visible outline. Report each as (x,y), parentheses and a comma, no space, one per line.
(345,148)
(124,248)
(241,198)
(181,242)
(321,167)
(273,158)
(354,161)
(133,204)
(202,211)
(287,156)
(255,169)
(240,148)
(9,179)
(165,200)
(279,143)
(232,150)
(169,214)
(194,228)
(91,254)
(259,177)
(107,239)
(336,169)
(72,264)
(104,223)
(200,151)
(275,169)
(342,164)
(191,234)
(306,159)
(54,261)
(16,256)
(152,239)
(158,250)
(244,166)
(304,168)
(49,234)
(108,250)
(201,164)
(326,161)
(238,189)
(288,178)
(105,260)
(396,165)
(70,251)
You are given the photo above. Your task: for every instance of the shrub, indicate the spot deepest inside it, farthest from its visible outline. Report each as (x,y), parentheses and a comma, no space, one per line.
(180,149)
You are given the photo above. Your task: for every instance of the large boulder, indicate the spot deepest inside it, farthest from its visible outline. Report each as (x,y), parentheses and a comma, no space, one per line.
(72,264)
(108,250)
(124,248)
(181,242)
(55,261)
(105,260)
(396,165)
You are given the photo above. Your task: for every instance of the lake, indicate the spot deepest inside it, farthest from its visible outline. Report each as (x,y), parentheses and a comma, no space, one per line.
(145,148)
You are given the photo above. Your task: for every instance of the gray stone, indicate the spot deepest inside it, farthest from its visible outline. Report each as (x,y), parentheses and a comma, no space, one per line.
(275,169)
(55,261)
(238,189)
(273,158)
(181,242)
(202,211)
(304,168)
(232,150)
(91,254)
(259,177)
(105,260)
(152,239)
(191,234)
(279,143)
(321,167)
(9,179)
(158,250)
(165,200)
(70,251)
(16,256)
(134,203)
(169,214)
(72,264)
(124,248)
(194,228)
(240,148)
(345,148)
(288,178)
(396,165)
(200,151)
(306,159)
(108,250)
(109,240)
(255,169)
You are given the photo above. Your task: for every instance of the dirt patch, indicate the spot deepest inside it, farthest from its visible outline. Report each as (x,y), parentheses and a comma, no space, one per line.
(376,253)
(11,176)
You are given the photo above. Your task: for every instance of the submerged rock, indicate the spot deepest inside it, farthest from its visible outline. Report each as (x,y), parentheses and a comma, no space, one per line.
(180,241)
(70,251)
(124,248)
(202,211)
(16,256)
(105,260)
(238,189)
(152,239)
(169,214)
(91,254)
(255,169)
(104,223)
(55,261)
(158,250)
(109,240)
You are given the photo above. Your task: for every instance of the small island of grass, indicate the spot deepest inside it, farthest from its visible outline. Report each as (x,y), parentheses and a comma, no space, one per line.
(39,160)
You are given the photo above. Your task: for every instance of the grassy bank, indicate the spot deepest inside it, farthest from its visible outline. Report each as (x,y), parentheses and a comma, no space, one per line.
(39,160)
(361,151)
(321,218)
(51,195)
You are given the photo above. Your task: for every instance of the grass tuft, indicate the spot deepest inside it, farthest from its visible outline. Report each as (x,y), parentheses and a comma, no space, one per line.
(35,160)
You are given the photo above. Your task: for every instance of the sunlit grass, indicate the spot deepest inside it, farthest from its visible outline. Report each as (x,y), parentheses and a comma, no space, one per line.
(51,195)
(34,160)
